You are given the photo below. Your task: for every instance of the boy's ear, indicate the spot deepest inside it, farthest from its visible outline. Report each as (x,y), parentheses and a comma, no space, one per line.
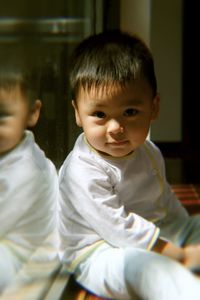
(34,113)
(78,120)
(155,108)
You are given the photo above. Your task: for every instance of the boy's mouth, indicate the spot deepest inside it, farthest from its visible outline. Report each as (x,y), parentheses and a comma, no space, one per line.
(118,143)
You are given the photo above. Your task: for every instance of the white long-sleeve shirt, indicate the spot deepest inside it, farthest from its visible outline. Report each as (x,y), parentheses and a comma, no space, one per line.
(114,200)
(28,207)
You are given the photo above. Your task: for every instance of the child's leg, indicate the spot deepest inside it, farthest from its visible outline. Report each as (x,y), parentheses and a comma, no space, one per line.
(8,267)
(136,274)
(181,232)
(155,277)
(103,273)
(191,231)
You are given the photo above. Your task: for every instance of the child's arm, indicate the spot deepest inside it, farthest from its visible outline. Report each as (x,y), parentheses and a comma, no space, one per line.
(169,249)
(189,256)
(192,257)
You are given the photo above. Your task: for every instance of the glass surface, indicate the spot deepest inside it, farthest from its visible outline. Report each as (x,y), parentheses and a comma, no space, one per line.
(42,34)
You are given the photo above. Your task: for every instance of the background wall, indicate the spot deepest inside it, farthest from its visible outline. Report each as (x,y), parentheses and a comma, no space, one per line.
(159,23)
(40,35)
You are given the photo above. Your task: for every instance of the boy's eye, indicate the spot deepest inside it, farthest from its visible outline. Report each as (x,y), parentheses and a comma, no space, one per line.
(130,112)
(99,114)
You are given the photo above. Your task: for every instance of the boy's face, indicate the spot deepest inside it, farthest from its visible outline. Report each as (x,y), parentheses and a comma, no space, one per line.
(15,116)
(117,121)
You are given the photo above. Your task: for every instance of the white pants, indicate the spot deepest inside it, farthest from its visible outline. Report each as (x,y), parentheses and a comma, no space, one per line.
(8,266)
(131,273)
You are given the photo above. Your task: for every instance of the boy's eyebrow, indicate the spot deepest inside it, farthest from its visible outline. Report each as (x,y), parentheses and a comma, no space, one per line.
(132,101)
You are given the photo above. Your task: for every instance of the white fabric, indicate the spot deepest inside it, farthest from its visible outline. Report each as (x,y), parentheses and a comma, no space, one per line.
(133,274)
(28,207)
(112,212)
(116,200)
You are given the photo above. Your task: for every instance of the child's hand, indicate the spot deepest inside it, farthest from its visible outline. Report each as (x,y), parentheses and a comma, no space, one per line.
(170,250)
(192,258)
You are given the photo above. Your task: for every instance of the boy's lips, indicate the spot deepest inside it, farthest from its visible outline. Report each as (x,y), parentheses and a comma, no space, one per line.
(118,143)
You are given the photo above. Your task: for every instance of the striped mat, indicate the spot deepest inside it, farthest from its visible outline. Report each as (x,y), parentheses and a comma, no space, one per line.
(189,195)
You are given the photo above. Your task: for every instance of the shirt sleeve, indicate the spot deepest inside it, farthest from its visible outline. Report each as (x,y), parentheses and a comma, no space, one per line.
(27,208)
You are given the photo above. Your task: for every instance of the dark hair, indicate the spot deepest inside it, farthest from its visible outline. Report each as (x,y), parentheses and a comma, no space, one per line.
(111,57)
(13,74)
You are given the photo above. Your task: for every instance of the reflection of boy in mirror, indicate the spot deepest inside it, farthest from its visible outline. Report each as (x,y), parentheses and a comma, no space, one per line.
(124,233)
(28,180)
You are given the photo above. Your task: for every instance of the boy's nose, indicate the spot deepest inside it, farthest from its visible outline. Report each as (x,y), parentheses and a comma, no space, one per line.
(115,127)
